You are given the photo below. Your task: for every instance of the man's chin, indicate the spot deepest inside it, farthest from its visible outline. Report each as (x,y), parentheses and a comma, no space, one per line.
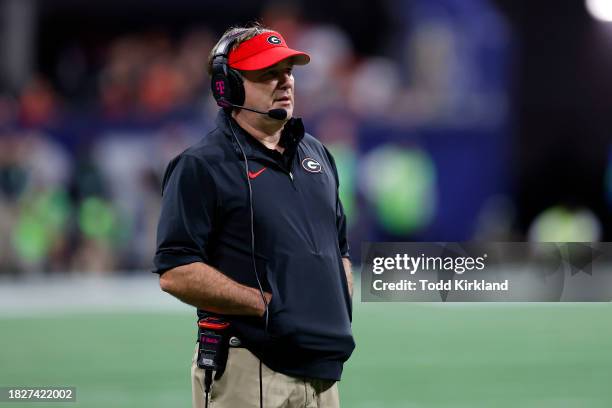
(287,109)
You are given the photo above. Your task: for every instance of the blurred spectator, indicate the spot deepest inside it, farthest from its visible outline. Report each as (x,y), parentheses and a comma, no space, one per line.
(38,103)
(324,84)
(376,88)
(34,172)
(561,224)
(8,110)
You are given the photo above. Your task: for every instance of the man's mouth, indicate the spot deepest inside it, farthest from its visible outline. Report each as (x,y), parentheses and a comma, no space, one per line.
(282,99)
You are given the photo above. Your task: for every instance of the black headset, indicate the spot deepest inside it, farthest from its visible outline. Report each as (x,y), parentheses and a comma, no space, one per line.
(226,83)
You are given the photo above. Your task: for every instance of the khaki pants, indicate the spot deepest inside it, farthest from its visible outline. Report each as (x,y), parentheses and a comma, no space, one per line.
(239,386)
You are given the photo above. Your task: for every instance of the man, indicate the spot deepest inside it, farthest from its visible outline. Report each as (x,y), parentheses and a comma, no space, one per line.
(255,202)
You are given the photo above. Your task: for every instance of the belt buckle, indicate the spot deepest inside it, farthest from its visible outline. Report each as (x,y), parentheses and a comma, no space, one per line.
(234,342)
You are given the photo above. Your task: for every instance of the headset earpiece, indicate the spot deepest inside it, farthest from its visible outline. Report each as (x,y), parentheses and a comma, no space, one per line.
(226,84)
(236,86)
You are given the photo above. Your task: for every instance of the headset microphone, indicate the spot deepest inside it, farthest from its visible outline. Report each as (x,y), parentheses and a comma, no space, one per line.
(278,114)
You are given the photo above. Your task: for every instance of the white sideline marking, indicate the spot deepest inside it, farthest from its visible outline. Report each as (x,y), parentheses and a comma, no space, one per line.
(57,295)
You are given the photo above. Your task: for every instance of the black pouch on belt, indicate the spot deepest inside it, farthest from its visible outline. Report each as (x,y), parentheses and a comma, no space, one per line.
(213,339)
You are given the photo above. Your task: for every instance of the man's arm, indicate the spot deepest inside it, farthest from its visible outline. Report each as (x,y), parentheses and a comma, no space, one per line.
(189,205)
(349,274)
(206,288)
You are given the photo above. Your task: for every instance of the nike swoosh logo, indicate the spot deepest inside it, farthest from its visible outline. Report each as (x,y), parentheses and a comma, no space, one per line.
(254,175)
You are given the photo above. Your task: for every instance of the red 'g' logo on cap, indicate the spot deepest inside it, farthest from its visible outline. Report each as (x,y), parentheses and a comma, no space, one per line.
(274,40)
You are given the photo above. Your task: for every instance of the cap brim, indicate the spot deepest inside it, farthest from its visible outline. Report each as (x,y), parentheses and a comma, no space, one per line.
(270,57)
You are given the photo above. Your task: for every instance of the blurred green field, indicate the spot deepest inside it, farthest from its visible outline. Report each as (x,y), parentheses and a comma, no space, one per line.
(408,355)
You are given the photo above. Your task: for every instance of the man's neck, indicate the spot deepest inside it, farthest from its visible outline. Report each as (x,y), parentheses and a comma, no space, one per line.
(267,132)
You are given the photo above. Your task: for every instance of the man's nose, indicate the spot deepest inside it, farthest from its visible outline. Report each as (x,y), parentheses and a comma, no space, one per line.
(284,80)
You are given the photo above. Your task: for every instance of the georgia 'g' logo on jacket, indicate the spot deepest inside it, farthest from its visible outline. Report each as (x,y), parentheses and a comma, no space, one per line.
(311,165)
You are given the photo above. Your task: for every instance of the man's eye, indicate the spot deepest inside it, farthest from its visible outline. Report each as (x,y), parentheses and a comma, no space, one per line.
(272,74)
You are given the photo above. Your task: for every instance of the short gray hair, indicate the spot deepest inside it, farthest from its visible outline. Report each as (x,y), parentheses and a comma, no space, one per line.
(240,35)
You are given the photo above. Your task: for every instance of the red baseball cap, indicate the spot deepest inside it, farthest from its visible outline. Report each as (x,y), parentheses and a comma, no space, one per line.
(264,50)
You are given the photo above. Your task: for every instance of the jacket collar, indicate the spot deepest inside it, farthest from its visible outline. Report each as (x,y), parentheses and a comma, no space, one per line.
(292,134)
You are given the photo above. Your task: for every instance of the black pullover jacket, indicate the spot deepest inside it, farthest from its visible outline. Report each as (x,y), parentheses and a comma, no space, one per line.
(300,239)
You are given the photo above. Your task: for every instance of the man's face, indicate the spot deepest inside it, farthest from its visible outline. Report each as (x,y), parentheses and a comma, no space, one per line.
(270,88)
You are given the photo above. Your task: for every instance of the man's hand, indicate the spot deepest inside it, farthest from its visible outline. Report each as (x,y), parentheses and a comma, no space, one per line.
(349,274)
(268,297)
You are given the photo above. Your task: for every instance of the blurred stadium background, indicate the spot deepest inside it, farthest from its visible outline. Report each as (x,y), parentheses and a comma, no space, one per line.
(450,120)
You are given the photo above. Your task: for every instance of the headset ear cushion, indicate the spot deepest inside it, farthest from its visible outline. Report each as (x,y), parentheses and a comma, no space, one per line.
(237,87)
